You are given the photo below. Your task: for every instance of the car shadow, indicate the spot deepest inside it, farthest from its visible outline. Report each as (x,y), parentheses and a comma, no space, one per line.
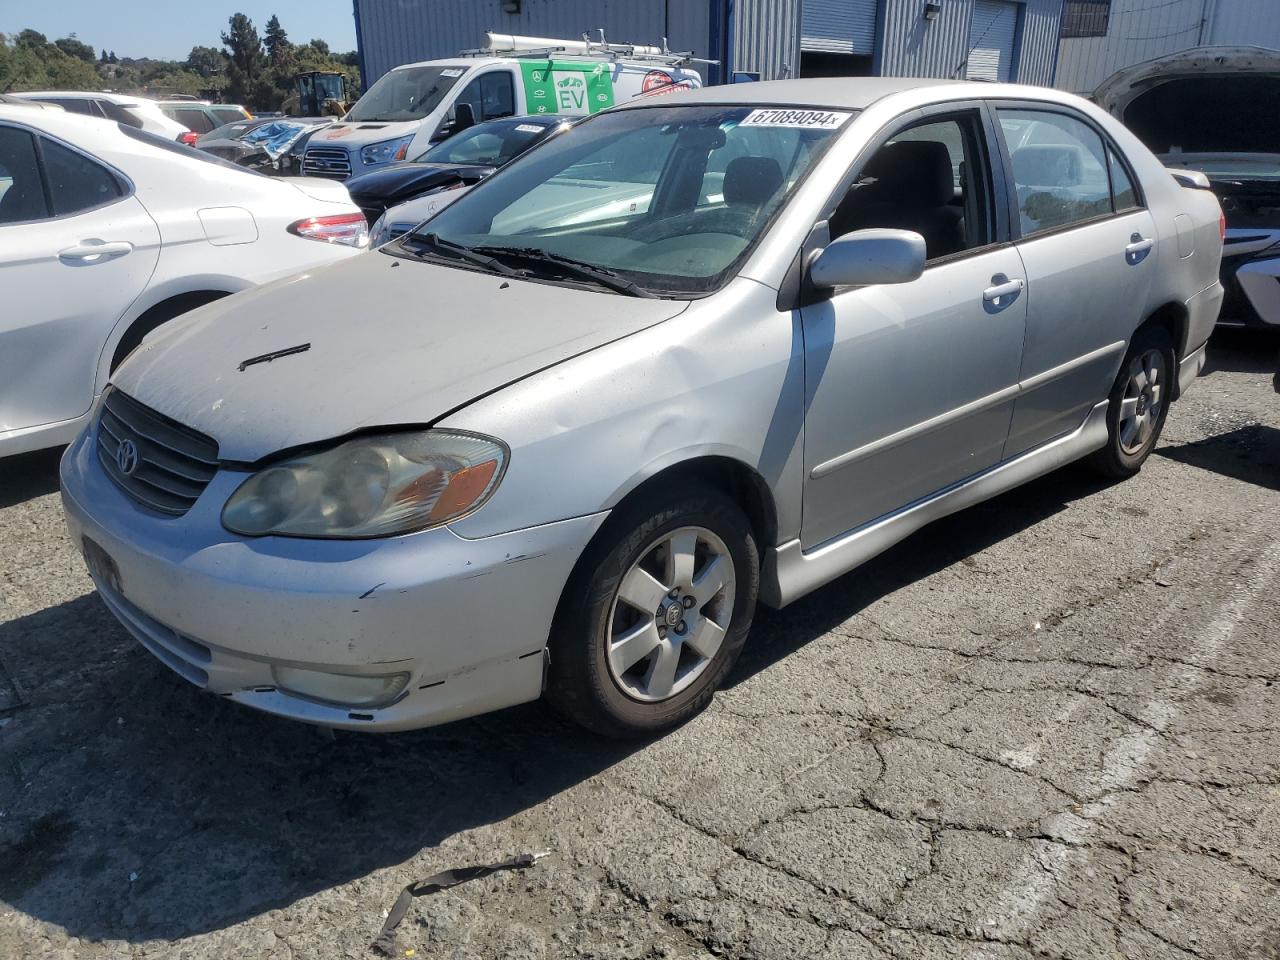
(139,808)
(1250,454)
(1248,350)
(28,475)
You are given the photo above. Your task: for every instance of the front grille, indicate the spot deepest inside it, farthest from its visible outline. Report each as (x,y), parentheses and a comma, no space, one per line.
(332,162)
(172,464)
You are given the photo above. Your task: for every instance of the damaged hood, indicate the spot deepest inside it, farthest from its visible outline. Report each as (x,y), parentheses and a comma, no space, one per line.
(388,342)
(1120,89)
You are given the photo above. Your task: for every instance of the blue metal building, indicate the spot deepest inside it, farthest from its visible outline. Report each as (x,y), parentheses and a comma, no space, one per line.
(987,39)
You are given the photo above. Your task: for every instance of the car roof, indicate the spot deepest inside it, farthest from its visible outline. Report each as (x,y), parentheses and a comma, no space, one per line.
(120,98)
(852,93)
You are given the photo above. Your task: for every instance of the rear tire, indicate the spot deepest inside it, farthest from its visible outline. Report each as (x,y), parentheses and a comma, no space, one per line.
(1138,405)
(655,615)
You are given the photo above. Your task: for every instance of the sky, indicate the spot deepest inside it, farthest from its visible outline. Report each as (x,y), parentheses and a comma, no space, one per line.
(168,29)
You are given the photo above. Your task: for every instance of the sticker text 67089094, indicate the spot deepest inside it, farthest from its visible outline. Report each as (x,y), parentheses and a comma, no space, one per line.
(804,119)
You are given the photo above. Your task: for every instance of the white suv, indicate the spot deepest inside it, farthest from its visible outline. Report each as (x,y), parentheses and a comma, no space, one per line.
(107,231)
(137,112)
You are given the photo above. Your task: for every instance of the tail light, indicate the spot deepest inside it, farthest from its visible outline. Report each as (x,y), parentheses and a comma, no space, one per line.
(188,138)
(350,229)
(1222,227)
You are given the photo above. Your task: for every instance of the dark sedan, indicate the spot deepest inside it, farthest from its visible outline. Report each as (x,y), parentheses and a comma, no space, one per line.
(270,145)
(461,161)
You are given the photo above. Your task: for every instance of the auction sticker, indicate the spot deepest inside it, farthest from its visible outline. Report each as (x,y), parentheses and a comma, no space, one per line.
(797,119)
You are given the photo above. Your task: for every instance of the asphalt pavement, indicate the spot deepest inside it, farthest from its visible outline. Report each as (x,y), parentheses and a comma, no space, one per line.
(1048,726)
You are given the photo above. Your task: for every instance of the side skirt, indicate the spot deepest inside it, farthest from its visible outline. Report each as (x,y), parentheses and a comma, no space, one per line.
(790,572)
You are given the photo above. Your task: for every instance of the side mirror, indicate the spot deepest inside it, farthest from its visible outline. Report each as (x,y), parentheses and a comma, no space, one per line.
(869,256)
(464,116)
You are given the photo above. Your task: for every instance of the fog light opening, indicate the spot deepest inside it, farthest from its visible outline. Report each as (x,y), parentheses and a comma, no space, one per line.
(340,689)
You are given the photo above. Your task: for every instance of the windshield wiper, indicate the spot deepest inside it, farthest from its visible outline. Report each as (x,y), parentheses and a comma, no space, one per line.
(463,252)
(587,271)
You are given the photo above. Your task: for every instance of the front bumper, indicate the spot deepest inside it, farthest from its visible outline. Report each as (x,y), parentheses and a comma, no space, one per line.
(467,620)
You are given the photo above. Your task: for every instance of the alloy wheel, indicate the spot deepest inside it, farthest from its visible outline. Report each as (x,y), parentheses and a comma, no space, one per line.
(1143,400)
(670,614)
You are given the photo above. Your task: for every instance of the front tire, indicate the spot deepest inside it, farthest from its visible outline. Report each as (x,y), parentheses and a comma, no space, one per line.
(1139,404)
(655,615)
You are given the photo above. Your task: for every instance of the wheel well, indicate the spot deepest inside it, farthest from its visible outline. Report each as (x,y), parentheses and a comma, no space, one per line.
(154,316)
(1173,317)
(731,477)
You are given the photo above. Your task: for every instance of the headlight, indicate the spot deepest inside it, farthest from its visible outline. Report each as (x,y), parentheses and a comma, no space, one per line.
(386,151)
(374,486)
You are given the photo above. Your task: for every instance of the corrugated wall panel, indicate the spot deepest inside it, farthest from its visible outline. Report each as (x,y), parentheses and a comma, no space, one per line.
(1253,22)
(838,26)
(993,29)
(766,37)
(394,32)
(1137,30)
(910,46)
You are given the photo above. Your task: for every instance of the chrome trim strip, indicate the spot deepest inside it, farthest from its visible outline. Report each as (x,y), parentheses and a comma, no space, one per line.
(790,572)
(959,413)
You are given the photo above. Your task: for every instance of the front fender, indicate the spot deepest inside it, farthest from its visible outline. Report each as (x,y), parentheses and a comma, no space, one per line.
(724,378)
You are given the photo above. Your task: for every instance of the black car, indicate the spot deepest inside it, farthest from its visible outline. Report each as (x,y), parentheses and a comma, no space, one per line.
(271,145)
(463,160)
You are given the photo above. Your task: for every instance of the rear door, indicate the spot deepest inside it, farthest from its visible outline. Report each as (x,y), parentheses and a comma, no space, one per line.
(76,249)
(1087,244)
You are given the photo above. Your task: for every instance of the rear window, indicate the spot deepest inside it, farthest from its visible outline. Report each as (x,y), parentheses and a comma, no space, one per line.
(192,119)
(227,114)
(121,113)
(77,183)
(74,105)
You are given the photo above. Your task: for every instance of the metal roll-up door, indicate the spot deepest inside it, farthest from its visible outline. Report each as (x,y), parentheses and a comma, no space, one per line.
(991,37)
(838,26)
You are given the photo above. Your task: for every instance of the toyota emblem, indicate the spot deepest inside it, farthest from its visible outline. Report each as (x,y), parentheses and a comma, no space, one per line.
(127,457)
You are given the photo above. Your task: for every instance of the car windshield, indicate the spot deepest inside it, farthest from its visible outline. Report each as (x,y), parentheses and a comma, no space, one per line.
(668,198)
(489,144)
(408,94)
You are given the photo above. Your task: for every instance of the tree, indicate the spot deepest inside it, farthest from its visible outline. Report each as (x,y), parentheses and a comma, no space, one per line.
(276,42)
(247,70)
(31,40)
(206,61)
(113,58)
(321,47)
(103,58)
(74,48)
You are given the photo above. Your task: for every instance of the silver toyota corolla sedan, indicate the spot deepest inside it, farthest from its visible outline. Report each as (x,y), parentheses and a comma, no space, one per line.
(703,351)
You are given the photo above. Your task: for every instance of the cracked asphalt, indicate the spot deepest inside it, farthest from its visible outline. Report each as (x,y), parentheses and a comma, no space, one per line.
(1048,726)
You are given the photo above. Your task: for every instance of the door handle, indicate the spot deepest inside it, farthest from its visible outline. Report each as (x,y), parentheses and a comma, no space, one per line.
(95,251)
(1002,287)
(1137,248)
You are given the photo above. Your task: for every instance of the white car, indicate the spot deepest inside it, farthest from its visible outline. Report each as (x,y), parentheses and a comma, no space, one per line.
(106,232)
(137,112)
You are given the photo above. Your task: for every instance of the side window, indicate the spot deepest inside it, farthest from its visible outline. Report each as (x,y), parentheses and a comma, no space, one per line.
(76,183)
(930,178)
(491,95)
(498,94)
(21,191)
(227,114)
(1059,169)
(1123,196)
(76,105)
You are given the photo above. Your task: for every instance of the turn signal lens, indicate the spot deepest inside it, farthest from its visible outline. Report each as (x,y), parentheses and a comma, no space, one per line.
(1222,227)
(350,229)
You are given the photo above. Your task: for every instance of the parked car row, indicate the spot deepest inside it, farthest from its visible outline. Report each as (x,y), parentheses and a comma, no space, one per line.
(108,231)
(684,355)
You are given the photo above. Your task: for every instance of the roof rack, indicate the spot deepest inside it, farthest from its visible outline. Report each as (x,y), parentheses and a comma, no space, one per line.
(511,45)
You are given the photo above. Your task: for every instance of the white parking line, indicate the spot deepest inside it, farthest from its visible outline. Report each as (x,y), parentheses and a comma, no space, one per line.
(1043,869)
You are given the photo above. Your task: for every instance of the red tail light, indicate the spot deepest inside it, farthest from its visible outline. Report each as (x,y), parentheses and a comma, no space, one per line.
(350,229)
(188,138)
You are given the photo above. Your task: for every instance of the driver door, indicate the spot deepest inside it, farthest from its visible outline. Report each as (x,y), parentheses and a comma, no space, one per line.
(910,387)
